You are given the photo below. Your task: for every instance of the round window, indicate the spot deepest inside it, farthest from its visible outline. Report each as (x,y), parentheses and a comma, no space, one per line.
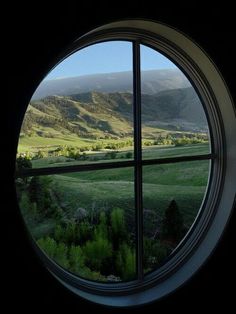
(124,171)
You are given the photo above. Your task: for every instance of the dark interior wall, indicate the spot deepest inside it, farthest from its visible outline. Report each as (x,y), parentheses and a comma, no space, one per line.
(35,37)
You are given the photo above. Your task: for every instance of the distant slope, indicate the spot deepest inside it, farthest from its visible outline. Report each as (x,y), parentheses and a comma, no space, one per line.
(179,108)
(153,81)
(110,115)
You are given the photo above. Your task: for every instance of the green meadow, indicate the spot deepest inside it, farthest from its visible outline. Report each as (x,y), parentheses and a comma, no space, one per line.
(184,182)
(98,202)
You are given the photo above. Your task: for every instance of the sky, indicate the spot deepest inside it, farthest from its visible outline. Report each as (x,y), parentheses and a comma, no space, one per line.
(108,57)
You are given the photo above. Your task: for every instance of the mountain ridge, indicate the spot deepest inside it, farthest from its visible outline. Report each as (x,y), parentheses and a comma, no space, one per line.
(152,81)
(101,115)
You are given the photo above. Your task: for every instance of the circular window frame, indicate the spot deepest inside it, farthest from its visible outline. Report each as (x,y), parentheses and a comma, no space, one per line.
(215,211)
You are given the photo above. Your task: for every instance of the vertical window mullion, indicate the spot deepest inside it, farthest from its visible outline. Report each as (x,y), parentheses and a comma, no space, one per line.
(138,158)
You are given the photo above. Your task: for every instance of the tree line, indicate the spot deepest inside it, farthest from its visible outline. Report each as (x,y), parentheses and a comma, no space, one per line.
(75,152)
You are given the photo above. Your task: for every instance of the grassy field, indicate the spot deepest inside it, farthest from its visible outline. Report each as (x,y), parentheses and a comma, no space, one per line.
(35,143)
(150,152)
(185,182)
(171,151)
(106,189)
(100,190)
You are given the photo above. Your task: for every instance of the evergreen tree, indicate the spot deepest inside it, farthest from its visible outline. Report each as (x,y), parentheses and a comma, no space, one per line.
(57,252)
(76,259)
(102,229)
(39,193)
(85,232)
(98,253)
(125,262)
(172,225)
(36,192)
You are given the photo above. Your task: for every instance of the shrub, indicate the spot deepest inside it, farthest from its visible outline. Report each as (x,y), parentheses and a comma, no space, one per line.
(23,162)
(128,155)
(154,253)
(57,252)
(111,155)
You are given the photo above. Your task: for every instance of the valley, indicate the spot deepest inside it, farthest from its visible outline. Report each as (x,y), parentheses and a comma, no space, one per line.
(94,119)
(85,221)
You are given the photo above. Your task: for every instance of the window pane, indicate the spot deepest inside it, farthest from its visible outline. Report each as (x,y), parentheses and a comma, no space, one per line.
(82,111)
(172,197)
(173,118)
(84,221)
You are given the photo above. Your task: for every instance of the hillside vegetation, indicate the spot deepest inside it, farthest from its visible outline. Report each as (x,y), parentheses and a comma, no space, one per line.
(88,117)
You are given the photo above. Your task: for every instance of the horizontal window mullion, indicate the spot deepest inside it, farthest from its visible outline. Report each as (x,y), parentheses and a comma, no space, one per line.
(170,160)
(109,165)
(75,168)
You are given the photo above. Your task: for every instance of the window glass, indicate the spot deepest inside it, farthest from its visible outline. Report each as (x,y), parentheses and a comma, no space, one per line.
(82,111)
(84,221)
(172,113)
(172,197)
